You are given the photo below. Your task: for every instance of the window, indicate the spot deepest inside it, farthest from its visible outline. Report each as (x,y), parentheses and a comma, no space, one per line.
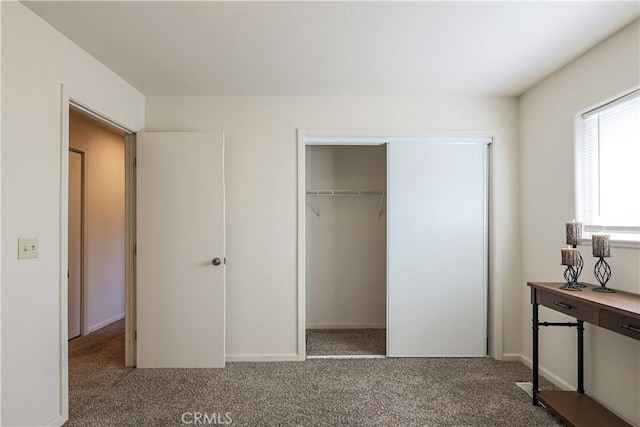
(608,169)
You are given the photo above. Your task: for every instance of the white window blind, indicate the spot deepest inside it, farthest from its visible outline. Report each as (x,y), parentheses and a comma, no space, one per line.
(608,168)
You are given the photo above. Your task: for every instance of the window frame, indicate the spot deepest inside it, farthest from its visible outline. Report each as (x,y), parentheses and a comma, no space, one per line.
(621,236)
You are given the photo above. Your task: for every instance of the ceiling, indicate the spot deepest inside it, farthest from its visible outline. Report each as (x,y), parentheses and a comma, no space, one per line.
(335,48)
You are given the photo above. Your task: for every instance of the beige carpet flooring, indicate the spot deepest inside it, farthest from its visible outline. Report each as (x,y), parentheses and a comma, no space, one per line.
(96,363)
(324,342)
(365,392)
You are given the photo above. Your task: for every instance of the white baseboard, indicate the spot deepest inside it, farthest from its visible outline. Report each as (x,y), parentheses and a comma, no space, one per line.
(262,358)
(346,325)
(564,385)
(512,357)
(105,323)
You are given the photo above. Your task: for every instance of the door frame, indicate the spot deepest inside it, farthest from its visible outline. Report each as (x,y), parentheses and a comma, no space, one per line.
(494,306)
(84,153)
(130,219)
(67,102)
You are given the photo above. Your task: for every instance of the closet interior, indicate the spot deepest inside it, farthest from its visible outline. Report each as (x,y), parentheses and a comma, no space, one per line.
(346,250)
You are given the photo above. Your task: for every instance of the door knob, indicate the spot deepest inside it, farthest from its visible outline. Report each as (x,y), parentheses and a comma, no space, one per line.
(216,261)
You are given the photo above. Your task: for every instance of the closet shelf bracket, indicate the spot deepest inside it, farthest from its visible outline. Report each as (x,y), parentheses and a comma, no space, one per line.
(381,205)
(317,210)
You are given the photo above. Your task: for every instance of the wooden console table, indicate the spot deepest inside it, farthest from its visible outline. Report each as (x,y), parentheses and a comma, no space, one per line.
(618,312)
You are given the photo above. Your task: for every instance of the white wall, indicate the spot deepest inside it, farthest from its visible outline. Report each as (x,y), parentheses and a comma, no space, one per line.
(261,170)
(547,113)
(346,274)
(35,61)
(104,219)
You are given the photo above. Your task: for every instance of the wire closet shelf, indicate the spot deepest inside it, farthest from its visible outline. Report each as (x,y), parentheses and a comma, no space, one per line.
(319,193)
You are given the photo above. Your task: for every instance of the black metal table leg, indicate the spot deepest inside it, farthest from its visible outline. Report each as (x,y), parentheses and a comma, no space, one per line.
(535,327)
(580,356)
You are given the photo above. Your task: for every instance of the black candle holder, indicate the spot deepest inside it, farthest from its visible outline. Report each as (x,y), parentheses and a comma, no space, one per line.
(602,271)
(571,277)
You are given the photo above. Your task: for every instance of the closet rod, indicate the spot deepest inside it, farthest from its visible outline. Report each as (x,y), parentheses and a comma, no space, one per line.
(345,192)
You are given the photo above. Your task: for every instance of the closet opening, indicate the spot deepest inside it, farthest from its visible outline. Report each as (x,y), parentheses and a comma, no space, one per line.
(346,251)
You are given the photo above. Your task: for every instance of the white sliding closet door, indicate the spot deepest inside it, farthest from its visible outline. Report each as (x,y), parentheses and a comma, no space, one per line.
(437,259)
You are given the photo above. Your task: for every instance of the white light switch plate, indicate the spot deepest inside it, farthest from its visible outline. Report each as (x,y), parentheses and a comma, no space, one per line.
(27,247)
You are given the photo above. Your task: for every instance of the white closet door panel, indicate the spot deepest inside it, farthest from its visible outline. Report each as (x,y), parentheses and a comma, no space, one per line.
(437,249)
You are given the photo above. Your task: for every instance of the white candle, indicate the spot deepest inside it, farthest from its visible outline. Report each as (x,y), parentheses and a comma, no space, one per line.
(601,245)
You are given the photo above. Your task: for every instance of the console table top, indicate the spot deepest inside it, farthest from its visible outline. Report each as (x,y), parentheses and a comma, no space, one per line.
(624,302)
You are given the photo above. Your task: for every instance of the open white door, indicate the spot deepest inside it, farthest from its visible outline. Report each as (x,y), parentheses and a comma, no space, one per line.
(180,250)
(437,259)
